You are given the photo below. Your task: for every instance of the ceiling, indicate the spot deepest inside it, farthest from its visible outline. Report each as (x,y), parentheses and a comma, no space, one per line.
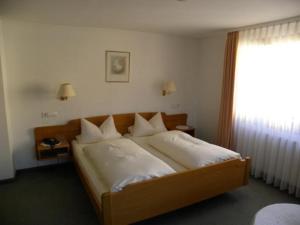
(186,17)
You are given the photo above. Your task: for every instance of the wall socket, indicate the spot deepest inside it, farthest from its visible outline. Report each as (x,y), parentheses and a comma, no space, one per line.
(47,115)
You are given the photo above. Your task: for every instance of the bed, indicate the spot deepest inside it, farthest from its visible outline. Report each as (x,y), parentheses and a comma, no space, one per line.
(156,196)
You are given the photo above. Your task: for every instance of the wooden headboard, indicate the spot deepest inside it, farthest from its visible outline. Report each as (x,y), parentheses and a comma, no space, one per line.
(122,121)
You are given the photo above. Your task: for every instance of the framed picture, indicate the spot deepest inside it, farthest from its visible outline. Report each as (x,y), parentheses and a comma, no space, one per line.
(117,66)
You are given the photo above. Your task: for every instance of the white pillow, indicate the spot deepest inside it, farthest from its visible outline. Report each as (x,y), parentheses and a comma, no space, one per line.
(157,123)
(130,129)
(91,133)
(109,130)
(142,127)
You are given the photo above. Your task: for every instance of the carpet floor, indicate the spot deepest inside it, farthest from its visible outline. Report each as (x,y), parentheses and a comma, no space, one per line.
(55,196)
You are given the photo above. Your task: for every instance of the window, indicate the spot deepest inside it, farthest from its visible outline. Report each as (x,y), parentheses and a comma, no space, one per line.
(267,103)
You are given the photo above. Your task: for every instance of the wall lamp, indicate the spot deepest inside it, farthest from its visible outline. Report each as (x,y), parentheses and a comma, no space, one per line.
(65,91)
(168,88)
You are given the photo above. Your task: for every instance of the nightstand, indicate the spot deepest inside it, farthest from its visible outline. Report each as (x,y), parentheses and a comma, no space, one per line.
(187,129)
(61,150)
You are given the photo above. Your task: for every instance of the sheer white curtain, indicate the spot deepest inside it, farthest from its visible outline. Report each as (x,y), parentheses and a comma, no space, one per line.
(267,103)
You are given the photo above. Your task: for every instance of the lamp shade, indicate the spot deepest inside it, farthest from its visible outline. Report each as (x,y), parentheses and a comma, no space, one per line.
(169,87)
(65,91)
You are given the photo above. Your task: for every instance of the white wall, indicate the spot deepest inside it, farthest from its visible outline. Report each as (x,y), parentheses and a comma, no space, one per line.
(6,162)
(209,85)
(40,57)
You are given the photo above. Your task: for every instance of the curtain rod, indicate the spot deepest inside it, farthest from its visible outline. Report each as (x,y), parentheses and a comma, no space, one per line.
(271,23)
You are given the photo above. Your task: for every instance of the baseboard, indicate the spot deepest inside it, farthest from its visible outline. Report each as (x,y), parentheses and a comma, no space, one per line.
(9,180)
(17,172)
(67,163)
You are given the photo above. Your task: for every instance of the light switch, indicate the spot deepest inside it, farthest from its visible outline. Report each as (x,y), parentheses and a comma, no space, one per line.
(175,106)
(46,115)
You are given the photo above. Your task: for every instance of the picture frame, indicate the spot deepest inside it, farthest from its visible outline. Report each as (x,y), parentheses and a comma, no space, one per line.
(117,66)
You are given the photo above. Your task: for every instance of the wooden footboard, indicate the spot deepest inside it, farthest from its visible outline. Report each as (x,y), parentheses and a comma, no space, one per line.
(157,196)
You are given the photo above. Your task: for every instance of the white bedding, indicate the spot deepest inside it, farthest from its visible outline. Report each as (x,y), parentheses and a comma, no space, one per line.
(144,143)
(91,175)
(189,151)
(121,162)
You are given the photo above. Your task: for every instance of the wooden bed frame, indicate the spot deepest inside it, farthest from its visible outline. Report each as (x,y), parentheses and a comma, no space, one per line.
(153,197)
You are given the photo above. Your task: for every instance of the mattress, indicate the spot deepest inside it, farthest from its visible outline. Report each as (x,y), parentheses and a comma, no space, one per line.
(190,152)
(121,162)
(93,178)
(143,142)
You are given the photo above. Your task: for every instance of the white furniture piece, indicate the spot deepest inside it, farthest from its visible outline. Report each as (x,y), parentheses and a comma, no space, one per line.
(278,214)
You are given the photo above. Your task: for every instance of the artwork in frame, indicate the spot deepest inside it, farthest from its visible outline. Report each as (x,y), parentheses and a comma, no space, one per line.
(117,66)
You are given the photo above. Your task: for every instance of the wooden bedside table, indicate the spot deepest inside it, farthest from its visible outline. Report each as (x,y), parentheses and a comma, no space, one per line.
(61,150)
(187,129)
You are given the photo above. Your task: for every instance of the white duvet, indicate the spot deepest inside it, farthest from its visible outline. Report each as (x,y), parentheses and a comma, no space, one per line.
(189,151)
(121,162)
